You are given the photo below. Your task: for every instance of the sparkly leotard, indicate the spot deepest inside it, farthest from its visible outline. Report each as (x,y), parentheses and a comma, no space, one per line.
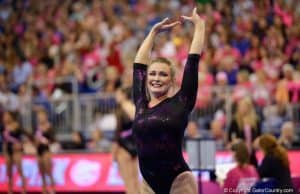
(159,130)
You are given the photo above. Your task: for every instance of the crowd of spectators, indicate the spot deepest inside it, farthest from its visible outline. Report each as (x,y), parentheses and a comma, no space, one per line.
(252,49)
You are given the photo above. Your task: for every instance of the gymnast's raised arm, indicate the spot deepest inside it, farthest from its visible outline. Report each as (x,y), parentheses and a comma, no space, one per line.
(199,32)
(144,52)
(189,86)
(143,58)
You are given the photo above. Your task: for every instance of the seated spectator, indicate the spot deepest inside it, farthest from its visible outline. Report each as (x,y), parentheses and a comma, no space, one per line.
(192,130)
(55,147)
(241,178)
(112,80)
(22,70)
(98,142)
(8,100)
(107,122)
(275,163)
(262,89)
(243,87)
(217,132)
(272,120)
(288,137)
(77,141)
(287,86)
(204,100)
(221,91)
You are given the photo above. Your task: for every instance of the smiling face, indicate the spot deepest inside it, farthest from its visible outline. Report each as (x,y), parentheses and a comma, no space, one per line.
(159,79)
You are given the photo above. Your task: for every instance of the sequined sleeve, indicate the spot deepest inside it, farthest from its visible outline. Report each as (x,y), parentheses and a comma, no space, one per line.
(139,84)
(189,85)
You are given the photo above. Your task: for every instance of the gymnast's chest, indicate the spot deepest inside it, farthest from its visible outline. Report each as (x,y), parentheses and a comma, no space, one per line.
(160,121)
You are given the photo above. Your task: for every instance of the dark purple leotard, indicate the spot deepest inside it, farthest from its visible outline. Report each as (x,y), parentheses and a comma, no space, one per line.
(159,130)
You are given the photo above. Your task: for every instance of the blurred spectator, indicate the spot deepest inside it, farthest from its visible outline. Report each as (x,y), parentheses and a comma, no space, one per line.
(217,132)
(245,125)
(262,89)
(285,111)
(42,77)
(221,91)
(275,157)
(292,84)
(55,147)
(287,89)
(241,178)
(204,99)
(24,98)
(21,72)
(272,120)
(107,122)
(8,100)
(204,95)
(192,130)
(112,80)
(39,99)
(78,141)
(98,142)
(243,87)
(288,137)
(230,67)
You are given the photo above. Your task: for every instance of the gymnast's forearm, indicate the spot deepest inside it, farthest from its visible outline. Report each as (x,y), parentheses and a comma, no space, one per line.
(144,52)
(198,39)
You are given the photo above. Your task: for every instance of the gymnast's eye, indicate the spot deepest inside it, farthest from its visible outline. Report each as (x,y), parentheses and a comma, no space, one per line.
(152,73)
(164,74)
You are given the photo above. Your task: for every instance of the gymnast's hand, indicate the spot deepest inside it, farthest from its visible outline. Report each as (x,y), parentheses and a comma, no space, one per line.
(163,25)
(195,18)
(199,33)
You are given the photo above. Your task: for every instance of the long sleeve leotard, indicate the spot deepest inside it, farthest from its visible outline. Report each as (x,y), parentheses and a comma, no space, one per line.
(159,130)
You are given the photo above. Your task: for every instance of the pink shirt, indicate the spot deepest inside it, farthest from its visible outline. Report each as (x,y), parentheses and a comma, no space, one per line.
(241,90)
(286,17)
(240,180)
(294,88)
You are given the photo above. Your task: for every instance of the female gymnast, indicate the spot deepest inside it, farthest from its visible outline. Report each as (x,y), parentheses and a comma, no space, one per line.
(160,120)
(12,134)
(43,137)
(124,149)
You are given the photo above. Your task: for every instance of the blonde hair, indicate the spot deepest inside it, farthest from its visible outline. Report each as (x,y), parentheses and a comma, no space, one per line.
(251,116)
(268,143)
(167,62)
